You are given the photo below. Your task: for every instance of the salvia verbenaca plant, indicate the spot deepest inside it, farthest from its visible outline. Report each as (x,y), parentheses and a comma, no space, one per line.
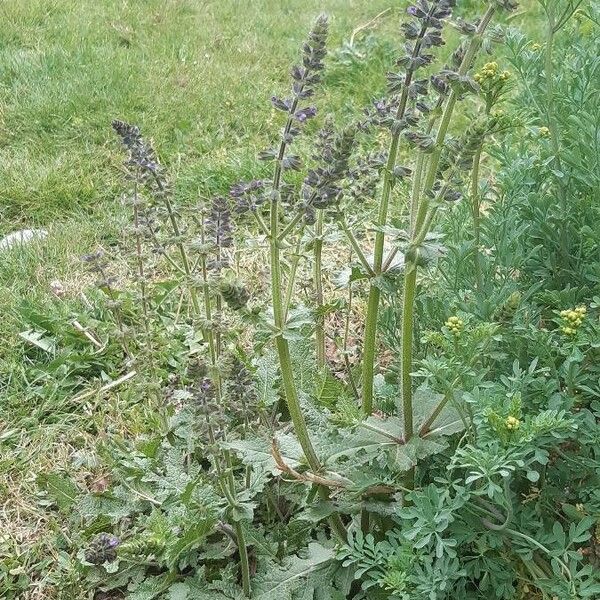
(402,114)
(320,186)
(407,541)
(409,113)
(147,170)
(201,243)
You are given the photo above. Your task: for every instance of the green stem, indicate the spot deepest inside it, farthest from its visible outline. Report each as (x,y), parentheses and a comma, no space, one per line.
(408,300)
(318,276)
(421,225)
(290,226)
(292,276)
(368,370)
(370,336)
(260,222)
(356,247)
(415,192)
(285,362)
(476,208)
(283,350)
(244,562)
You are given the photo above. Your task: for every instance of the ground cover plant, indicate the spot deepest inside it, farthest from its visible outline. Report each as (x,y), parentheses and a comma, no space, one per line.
(368,367)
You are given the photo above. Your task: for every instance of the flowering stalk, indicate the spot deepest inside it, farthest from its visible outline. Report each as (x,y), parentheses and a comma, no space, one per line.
(220,230)
(143,158)
(322,189)
(305,77)
(370,334)
(422,221)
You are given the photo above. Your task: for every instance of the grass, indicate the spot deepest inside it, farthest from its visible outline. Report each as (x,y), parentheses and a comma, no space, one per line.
(196,75)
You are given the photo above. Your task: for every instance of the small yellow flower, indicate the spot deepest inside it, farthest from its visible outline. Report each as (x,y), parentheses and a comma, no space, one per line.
(512,423)
(544,132)
(535,47)
(454,324)
(572,319)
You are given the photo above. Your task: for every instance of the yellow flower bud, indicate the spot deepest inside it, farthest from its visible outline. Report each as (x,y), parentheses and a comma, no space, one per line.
(544,132)
(512,423)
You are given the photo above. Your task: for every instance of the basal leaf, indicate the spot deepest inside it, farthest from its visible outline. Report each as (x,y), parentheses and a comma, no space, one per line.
(61,489)
(258,452)
(280,582)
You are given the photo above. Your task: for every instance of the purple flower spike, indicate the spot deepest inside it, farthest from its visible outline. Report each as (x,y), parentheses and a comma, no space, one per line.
(306,113)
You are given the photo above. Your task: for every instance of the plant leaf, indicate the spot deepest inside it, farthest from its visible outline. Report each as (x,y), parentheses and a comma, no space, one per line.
(279,582)
(62,490)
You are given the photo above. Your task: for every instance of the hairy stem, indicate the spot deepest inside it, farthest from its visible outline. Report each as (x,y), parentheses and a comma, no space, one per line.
(318,276)
(370,335)
(421,225)
(345,342)
(292,276)
(476,209)
(244,562)
(356,247)
(281,343)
